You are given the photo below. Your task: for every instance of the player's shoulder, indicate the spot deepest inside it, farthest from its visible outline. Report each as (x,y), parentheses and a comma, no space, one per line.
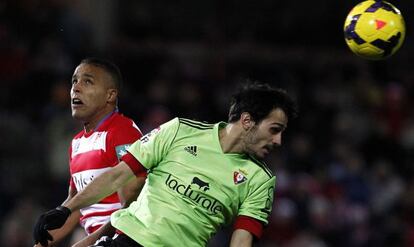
(262,167)
(122,124)
(120,118)
(194,124)
(121,121)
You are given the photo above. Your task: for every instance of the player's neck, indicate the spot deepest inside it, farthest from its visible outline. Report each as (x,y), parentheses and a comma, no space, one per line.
(230,138)
(98,119)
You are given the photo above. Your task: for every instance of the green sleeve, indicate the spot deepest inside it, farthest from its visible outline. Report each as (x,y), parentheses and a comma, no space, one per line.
(152,147)
(258,203)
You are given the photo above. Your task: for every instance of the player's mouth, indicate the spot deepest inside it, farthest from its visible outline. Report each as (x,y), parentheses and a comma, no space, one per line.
(76,102)
(268,148)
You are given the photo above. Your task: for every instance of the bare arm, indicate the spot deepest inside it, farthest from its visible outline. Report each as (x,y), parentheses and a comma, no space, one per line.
(131,190)
(102,186)
(127,194)
(241,238)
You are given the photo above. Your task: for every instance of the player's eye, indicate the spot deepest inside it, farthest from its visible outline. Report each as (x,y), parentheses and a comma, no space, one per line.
(275,130)
(74,81)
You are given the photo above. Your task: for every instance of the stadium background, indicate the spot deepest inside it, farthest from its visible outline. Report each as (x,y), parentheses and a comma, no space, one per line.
(345,173)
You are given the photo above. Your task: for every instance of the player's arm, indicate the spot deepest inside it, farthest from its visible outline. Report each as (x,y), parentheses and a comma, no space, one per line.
(246,230)
(149,151)
(127,194)
(59,234)
(131,190)
(241,238)
(105,230)
(101,187)
(254,212)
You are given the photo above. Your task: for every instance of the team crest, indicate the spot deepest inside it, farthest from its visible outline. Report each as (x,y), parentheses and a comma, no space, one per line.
(121,150)
(239,177)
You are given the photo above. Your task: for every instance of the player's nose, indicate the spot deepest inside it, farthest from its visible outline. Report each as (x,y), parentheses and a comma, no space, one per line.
(277,139)
(75,87)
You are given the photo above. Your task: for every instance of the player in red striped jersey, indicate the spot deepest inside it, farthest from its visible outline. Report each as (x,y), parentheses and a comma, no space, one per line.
(94,94)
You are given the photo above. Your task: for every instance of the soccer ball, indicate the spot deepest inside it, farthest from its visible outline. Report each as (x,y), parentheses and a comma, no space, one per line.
(374,29)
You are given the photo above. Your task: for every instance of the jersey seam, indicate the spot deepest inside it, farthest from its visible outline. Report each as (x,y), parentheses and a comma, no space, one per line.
(175,135)
(263,166)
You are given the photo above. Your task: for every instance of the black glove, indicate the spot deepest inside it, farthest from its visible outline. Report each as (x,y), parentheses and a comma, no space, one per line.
(50,220)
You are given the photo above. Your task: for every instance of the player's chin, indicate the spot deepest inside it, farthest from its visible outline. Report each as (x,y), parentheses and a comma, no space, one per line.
(260,154)
(77,114)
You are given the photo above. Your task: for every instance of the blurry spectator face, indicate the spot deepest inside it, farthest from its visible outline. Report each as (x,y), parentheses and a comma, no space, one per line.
(266,135)
(92,94)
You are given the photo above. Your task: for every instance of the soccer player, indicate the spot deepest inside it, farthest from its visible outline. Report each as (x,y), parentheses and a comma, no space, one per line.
(200,176)
(106,135)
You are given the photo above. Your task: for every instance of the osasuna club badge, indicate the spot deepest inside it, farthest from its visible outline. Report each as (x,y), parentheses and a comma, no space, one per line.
(239,177)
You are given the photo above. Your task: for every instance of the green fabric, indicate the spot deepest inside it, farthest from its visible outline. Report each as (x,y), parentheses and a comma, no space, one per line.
(192,188)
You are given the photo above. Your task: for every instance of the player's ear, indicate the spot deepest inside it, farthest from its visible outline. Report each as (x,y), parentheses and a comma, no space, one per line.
(112,95)
(246,120)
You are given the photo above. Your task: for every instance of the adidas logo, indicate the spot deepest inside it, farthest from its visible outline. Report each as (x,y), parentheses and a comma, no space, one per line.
(191,149)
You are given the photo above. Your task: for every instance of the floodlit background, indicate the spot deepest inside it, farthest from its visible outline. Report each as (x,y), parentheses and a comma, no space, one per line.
(345,172)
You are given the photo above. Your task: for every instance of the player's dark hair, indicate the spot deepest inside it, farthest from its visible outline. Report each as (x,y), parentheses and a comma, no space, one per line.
(109,67)
(259,99)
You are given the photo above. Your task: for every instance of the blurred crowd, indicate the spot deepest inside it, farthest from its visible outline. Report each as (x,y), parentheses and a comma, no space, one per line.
(345,171)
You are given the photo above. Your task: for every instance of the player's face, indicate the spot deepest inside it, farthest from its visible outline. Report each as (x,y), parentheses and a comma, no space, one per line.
(90,93)
(265,136)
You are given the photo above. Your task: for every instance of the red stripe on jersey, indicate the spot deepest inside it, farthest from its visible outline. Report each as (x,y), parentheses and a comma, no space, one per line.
(249,224)
(92,229)
(138,169)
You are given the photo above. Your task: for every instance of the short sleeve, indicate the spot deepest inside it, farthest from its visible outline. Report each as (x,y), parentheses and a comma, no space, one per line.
(152,147)
(258,203)
(123,137)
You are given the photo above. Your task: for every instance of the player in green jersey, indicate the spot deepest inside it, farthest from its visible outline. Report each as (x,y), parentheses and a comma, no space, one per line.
(200,176)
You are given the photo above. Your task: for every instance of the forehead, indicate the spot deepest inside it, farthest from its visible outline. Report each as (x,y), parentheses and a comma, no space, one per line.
(277,117)
(89,69)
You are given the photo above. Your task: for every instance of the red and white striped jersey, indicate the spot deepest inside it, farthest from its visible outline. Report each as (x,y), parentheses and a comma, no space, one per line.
(95,152)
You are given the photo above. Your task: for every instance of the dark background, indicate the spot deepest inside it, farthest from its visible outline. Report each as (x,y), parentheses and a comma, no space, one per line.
(345,171)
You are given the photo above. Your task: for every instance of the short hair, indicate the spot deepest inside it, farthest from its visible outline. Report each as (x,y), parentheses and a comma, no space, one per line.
(109,67)
(259,99)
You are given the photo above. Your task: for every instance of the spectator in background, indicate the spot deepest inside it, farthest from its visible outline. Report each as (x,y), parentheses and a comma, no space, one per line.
(94,94)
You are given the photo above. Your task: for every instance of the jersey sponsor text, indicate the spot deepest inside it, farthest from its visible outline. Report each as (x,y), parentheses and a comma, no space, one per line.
(83,178)
(210,204)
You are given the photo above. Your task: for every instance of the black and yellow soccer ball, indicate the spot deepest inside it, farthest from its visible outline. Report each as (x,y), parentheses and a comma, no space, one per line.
(374,30)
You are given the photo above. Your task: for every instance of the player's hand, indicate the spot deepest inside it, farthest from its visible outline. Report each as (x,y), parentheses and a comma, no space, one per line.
(50,220)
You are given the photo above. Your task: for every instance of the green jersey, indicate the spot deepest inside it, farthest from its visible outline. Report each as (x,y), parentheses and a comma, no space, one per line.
(192,188)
